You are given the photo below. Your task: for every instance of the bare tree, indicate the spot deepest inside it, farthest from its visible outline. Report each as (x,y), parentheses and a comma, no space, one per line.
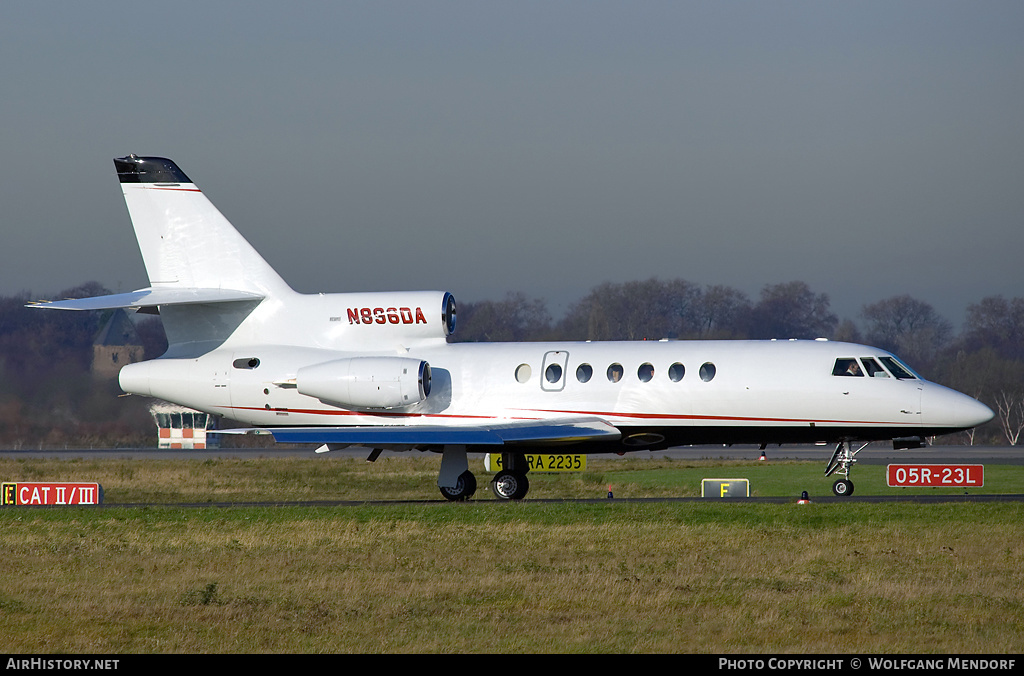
(1010,413)
(514,318)
(721,312)
(650,309)
(996,323)
(908,327)
(792,310)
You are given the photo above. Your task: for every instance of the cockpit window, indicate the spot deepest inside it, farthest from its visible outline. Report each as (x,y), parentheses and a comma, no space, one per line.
(873,369)
(898,369)
(847,367)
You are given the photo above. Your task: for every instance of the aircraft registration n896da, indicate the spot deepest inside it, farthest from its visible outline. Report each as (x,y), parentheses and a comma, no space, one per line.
(378,370)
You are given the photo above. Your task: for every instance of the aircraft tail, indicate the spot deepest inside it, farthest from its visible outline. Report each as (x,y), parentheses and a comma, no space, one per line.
(205,278)
(186,242)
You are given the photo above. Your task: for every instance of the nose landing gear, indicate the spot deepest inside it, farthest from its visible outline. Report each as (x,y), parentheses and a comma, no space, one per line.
(841,463)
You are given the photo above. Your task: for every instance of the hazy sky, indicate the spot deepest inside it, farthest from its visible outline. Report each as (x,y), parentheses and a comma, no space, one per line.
(869,149)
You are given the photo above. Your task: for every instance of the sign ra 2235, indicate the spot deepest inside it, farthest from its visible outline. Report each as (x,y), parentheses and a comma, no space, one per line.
(936,476)
(555,462)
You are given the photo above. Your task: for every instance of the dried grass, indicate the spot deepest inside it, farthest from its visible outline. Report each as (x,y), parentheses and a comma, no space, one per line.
(499,578)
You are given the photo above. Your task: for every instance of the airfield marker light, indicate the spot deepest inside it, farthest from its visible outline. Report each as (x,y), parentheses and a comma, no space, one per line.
(763,456)
(610,496)
(804,500)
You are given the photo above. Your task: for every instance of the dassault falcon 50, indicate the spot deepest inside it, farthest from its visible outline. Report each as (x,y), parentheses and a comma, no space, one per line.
(377,370)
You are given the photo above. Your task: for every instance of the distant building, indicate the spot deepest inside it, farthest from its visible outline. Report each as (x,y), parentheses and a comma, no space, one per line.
(180,427)
(116,344)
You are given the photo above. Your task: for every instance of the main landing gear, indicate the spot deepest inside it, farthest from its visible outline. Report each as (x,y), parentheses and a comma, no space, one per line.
(463,489)
(510,485)
(841,462)
(511,482)
(457,483)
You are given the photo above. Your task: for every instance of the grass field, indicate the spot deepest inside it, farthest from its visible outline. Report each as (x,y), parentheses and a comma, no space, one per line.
(496,577)
(414,477)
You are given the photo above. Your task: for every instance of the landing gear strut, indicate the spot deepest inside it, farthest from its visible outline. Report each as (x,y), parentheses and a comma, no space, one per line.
(841,462)
(455,480)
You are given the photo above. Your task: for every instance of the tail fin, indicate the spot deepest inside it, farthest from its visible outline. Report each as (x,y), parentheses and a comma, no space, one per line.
(204,277)
(186,242)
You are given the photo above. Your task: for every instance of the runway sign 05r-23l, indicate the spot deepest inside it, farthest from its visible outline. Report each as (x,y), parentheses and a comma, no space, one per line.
(936,476)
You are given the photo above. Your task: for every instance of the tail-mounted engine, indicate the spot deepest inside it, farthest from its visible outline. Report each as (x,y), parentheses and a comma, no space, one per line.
(367,382)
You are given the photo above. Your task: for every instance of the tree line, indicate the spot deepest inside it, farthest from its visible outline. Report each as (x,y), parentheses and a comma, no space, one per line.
(49,397)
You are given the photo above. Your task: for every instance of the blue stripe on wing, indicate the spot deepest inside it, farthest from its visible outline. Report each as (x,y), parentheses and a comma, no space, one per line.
(498,434)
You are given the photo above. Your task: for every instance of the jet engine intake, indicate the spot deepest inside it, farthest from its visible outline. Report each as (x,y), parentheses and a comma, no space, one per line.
(367,382)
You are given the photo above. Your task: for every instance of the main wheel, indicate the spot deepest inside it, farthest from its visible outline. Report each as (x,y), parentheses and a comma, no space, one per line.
(464,488)
(843,488)
(510,485)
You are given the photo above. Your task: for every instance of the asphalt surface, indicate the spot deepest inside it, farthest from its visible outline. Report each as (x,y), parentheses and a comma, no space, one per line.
(872,455)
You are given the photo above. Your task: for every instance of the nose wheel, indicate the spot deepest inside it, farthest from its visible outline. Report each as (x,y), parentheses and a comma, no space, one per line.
(842,487)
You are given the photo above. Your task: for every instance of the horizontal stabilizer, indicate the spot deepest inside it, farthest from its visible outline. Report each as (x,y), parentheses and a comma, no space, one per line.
(519,432)
(150,298)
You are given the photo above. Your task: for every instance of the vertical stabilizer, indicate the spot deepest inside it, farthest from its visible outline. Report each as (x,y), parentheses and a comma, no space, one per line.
(185,241)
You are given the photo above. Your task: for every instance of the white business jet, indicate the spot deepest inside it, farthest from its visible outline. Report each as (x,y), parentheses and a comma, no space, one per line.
(376,369)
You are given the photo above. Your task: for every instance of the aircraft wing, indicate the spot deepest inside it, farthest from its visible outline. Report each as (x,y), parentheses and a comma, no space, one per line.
(574,430)
(149,298)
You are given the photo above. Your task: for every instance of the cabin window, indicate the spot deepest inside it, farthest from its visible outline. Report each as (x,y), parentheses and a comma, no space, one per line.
(873,369)
(584,373)
(615,373)
(898,369)
(645,373)
(707,372)
(553,373)
(523,373)
(847,367)
(676,372)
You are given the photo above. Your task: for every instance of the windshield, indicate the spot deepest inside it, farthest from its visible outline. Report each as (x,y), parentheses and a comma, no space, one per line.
(873,369)
(898,368)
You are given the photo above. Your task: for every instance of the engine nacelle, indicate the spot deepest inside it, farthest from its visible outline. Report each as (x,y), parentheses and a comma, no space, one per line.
(367,382)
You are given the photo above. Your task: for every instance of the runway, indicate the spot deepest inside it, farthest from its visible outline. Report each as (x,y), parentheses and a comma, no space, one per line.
(875,454)
(830,499)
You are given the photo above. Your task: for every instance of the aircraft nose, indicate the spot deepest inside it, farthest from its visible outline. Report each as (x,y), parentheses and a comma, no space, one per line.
(973,412)
(949,408)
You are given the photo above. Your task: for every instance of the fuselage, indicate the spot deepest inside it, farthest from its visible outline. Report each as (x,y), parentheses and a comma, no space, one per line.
(659,393)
